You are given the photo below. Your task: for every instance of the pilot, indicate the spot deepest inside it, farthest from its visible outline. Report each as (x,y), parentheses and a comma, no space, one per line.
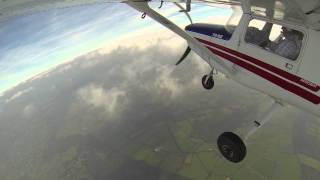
(254,36)
(289,44)
(259,37)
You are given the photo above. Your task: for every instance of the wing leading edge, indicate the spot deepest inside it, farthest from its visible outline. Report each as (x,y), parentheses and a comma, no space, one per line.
(301,12)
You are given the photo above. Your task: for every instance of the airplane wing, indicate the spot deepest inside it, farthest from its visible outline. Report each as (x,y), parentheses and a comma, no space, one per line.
(302,12)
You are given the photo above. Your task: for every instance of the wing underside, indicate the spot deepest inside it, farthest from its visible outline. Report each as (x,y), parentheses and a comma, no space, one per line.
(303,12)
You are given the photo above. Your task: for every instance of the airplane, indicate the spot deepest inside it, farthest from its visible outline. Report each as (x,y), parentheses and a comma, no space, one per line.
(270,46)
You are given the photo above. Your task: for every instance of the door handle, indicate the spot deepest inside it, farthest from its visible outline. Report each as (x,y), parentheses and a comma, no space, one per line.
(289,66)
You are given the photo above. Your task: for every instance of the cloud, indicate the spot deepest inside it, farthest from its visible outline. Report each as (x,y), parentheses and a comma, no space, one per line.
(28,111)
(150,64)
(18,94)
(109,99)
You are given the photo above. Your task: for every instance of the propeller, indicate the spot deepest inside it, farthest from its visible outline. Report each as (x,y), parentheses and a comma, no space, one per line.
(187,51)
(185,54)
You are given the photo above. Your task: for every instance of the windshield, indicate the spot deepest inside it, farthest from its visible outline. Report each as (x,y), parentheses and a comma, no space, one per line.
(234,19)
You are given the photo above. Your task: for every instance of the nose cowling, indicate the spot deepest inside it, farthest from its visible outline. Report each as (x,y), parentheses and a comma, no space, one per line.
(189,27)
(212,30)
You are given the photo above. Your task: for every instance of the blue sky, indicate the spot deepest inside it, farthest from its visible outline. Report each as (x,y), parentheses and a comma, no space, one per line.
(35,43)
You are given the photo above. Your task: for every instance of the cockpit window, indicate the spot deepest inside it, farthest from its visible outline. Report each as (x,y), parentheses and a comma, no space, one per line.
(234,19)
(280,40)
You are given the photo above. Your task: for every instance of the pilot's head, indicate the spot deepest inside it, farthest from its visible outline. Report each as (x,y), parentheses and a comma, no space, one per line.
(289,33)
(286,30)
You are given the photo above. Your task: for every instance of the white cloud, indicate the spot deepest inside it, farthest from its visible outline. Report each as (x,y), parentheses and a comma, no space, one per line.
(111,100)
(28,110)
(162,80)
(64,68)
(18,94)
(165,81)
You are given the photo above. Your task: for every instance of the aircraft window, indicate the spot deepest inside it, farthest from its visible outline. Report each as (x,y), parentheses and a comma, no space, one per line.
(257,24)
(283,41)
(255,33)
(234,19)
(275,32)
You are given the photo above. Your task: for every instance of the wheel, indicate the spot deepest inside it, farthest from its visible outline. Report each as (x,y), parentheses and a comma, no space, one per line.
(231,147)
(207,82)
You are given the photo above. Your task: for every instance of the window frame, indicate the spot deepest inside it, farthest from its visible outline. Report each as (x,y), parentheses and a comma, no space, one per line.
(236,12)
(296,27)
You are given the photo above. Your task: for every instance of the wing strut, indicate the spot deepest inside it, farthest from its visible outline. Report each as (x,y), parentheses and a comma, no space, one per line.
(274,108)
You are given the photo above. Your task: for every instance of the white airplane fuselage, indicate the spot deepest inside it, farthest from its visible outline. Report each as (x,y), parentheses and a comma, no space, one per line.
(293,82)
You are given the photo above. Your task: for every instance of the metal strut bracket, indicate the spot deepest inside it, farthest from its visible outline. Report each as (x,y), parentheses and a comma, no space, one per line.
(275,107)
(213,71)
(188,6)
(161,3)
(143,15)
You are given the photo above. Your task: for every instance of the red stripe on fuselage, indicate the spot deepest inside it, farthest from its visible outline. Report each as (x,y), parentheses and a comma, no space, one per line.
(269,67)
(268,76)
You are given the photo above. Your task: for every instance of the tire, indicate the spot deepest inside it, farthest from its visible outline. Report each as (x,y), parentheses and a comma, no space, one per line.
(209,84)
(231,147)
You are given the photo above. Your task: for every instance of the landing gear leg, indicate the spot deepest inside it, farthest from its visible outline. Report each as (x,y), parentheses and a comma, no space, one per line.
(232,147)
(207,80)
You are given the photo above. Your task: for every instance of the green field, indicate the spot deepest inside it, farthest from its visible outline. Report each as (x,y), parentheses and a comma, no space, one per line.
(270,155)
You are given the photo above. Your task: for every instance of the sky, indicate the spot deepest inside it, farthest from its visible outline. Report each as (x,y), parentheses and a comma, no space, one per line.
(35,43)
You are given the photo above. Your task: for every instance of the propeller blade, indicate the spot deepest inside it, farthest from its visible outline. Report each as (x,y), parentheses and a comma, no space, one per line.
(185,54)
